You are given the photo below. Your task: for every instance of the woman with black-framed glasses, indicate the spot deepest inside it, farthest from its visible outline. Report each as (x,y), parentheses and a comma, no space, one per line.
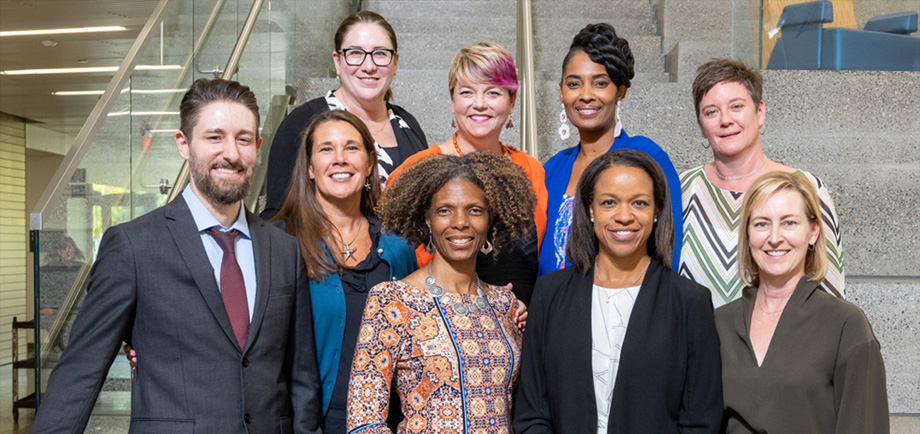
(366,59)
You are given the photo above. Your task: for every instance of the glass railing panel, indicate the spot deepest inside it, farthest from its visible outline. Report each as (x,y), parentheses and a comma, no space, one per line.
(119,176)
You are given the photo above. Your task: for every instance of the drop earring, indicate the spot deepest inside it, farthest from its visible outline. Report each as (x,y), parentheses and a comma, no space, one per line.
(430,246)
(453,123)
(509,125)
(619,126)
(564,127)
(486,248)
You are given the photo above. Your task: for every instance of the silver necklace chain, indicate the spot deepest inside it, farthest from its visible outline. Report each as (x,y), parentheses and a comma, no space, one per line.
(480,303)
(735,178)
(349,252)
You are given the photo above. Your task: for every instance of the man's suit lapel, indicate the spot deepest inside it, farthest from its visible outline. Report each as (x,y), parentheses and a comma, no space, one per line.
(261,249)
(184,232)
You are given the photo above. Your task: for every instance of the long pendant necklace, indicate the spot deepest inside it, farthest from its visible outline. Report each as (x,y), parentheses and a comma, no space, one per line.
(349,252)
(480,304)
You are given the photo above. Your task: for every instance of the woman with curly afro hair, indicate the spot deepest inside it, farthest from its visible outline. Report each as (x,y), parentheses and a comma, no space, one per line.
(448,340)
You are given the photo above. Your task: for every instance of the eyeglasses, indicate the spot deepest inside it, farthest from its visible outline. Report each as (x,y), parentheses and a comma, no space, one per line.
(356,56)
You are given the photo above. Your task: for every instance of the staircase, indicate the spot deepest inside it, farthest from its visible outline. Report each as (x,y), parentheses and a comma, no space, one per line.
(855,130)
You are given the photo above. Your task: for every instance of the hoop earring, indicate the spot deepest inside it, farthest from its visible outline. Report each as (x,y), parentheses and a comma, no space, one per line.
(564,127)
(619,126)
(430,246)
(706,144)
(811,247)
(763,128)
(486,248)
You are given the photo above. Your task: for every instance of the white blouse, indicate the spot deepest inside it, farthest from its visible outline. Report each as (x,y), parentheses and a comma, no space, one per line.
(610,310)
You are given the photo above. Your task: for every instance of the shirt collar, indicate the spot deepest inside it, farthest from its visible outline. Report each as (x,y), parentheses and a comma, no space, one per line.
(204,219)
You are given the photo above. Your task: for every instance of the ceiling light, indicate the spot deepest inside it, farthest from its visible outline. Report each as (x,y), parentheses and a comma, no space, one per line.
(77,92)
(100,92)
(83,70)
(62,31)
(125,113)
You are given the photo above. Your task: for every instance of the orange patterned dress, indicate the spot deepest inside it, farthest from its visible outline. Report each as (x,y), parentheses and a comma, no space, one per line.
(455,373)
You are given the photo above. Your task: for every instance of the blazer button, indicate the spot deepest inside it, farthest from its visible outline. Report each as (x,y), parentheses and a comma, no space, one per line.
(245,362)
(247,418)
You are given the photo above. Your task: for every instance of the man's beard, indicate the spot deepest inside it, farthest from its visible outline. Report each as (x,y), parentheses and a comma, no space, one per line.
(213,190)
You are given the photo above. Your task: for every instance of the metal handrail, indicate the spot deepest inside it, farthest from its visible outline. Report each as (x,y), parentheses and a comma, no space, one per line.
(527,93)
(232,64)
(93,123)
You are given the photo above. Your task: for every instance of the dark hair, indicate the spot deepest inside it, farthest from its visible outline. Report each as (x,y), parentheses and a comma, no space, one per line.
(715,71)
(509,196)
(302,213)
(601,44)
(369,18)
(582,246)
(204,91)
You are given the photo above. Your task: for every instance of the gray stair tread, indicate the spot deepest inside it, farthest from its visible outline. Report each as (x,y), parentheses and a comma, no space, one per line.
(649,44)
(437,10)
(569,27)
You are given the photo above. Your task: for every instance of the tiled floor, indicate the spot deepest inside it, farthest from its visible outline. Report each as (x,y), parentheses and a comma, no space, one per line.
(111,416)
(116,422)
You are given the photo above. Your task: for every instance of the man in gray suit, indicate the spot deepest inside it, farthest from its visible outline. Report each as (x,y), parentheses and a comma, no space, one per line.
(212,298)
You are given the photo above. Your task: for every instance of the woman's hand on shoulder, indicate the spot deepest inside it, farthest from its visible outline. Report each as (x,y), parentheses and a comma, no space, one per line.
(131,355)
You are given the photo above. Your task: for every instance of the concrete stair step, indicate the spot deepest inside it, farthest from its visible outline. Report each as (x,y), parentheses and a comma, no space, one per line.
(648,44)
(391,9)
(567,28)
(452,42)
(587,10)
(456,26)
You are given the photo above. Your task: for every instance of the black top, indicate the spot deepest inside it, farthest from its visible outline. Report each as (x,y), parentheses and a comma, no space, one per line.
(288,139)
(517,264)
(669,379)
(356,282)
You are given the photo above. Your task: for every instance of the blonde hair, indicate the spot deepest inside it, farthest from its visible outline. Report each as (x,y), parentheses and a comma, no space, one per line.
(483,62)
(758,193)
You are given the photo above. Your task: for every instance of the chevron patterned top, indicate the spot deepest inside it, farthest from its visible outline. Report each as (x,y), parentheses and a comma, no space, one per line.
(709,255)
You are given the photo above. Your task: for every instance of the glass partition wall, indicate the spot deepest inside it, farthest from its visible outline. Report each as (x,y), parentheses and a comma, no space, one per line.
(129,166)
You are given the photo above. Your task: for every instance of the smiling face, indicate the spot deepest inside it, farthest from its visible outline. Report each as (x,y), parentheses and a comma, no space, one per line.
(481,110)
(366,82)
(458,220)
(221,152)
(729,119)
(779,233)
(339,162)
(589,95)
(624,212)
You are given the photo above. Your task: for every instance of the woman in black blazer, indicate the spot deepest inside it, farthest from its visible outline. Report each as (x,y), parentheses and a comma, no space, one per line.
(619,343)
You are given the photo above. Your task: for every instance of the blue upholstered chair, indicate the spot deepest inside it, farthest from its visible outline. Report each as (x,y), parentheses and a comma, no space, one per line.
(883,45)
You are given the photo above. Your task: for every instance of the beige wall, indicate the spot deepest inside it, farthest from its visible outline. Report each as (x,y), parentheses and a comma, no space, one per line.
(13,230)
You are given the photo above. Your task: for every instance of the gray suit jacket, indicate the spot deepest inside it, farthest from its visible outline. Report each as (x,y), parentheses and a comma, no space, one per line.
(152,286)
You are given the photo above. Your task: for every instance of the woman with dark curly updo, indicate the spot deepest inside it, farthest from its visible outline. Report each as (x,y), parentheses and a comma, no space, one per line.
(448,339)
(595,76)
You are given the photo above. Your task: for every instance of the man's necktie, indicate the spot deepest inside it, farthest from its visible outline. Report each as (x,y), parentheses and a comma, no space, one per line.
(232,288)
